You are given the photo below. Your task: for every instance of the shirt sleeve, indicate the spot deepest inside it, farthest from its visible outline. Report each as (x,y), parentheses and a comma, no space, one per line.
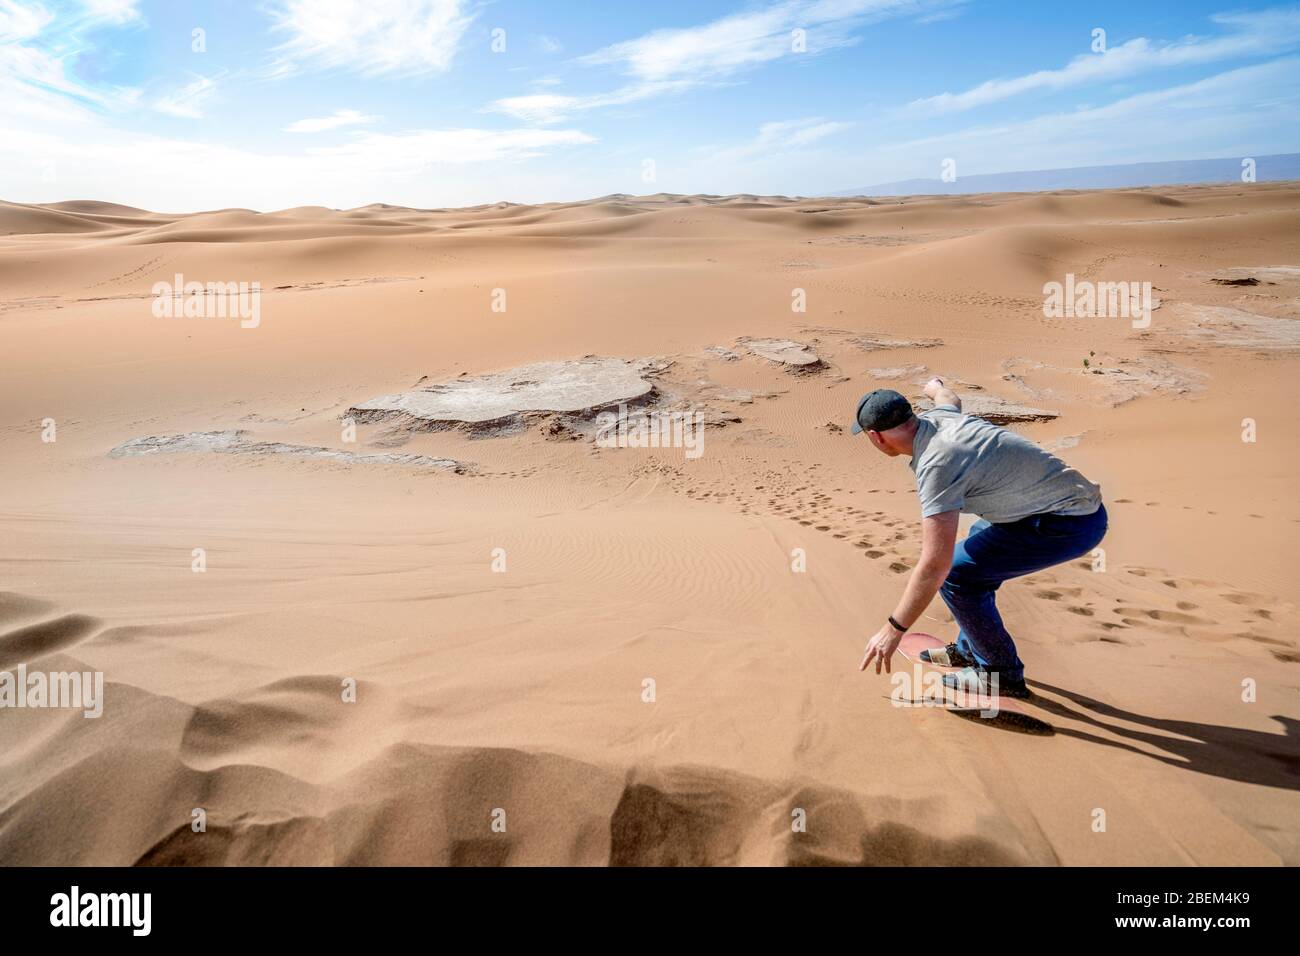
(940,487)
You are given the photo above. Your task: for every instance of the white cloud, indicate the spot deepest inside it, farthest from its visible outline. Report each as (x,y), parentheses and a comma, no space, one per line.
(60,136)
(36,48)
(673,60)
(1239,113)
(370,37)
(783,136)
(750,38)
(176,174)
(720,47)
(553,107)
(31,65)
(1261,33)
(793,134)
(1242,112)
(112,11)
(187,102)
(420,149)
(19,22)
(537,107)
(20,98)
(337,119)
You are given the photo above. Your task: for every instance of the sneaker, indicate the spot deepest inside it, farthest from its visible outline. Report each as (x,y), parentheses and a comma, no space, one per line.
(949,656)
(975,680)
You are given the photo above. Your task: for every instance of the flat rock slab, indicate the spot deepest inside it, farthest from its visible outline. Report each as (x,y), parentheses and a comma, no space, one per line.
(898,373)
(237,443)
(997,411)
(1120,380)
(1128,379)
(505,400)
(1237,329)
(1237,275)
(872,342)
(918,375)
(795,356)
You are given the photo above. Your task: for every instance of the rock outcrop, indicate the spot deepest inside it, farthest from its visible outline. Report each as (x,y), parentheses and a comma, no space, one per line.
(499,402)
(237,443)
(793,356)
(998,411)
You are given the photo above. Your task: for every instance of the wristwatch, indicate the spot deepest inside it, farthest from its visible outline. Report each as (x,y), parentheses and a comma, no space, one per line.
(896,626)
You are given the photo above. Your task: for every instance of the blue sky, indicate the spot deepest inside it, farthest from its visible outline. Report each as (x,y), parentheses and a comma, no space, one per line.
(455,102)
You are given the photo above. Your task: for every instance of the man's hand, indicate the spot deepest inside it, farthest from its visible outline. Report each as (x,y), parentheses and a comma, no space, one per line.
(881,648)
(938,538)
(941,394)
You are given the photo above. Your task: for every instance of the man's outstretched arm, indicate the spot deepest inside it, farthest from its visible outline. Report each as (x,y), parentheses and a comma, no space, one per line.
(941,394)
(938,538)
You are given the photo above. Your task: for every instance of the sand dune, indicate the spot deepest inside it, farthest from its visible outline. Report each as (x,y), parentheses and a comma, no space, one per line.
(499,613)
(20,219)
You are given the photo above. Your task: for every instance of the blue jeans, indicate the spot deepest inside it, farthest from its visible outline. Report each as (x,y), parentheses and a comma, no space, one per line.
(993,553)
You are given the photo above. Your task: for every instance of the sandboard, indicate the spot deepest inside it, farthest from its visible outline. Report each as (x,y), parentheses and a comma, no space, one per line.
(1009,714)
(913,643)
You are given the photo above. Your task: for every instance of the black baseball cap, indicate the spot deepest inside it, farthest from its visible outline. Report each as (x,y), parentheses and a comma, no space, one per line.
(880,411)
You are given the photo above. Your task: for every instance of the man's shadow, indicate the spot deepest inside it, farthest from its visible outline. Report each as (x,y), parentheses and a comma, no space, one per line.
(1250,756)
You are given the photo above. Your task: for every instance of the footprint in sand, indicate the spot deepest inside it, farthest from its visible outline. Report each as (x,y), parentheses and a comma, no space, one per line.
(1165,617)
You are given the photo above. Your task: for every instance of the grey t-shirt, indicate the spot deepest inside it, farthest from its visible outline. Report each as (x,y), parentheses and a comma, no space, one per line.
(962,462)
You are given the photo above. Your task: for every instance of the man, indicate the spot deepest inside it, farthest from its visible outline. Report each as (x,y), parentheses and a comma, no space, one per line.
(1036,510)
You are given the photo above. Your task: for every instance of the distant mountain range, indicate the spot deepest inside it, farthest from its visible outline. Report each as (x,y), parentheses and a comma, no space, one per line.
(1177,172)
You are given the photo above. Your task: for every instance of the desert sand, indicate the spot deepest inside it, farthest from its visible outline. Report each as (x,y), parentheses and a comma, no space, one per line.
(500,589)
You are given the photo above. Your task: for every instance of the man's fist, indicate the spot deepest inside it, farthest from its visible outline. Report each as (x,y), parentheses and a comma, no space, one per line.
(933,386)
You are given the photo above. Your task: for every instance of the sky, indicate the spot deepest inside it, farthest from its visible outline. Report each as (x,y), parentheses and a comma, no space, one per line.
(268,104)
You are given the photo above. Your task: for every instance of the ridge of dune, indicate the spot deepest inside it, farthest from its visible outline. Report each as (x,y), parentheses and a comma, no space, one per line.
(19,218)
(96,208)
(798,214)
